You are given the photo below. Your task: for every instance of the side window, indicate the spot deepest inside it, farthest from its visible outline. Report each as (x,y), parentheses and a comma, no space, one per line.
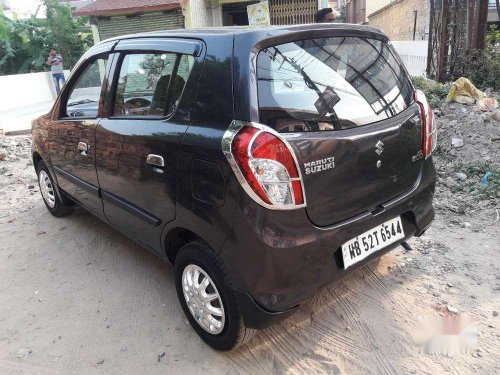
(151,84)
(83,101)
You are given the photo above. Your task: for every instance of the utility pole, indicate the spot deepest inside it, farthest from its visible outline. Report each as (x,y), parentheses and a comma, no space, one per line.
(430,42)
(415,12)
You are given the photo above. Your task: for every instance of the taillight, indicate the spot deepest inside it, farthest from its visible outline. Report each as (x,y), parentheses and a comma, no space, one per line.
(429,130)
(265,165)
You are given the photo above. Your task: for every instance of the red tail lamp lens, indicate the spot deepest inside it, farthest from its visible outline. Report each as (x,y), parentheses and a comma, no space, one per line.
(268,166)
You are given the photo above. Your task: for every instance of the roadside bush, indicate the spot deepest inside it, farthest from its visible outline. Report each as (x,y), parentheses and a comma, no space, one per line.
(482,67)
(435,91)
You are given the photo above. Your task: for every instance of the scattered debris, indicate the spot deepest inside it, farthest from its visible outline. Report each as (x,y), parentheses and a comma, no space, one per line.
(496,116)
(463,91)
(457,142)
(485,178)
(160,356)
(24,353)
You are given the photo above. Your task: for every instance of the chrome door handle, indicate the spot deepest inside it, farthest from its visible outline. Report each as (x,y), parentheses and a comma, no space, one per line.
(83,148)
(157,162)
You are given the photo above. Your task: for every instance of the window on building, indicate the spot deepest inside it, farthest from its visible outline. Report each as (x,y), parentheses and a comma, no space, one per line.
(151,84)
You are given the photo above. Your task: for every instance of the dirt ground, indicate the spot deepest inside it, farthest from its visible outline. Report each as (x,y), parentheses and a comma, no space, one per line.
(78,297)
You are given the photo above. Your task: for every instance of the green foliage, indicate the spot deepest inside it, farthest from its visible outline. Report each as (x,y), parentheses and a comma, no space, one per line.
(25,44)
(435,91)
(493,39)
(4,30)
(66,30)
(482,67)
(475,171)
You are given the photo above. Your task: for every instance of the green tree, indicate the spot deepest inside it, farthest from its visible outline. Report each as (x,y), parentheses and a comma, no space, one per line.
(71,36)
(24,44)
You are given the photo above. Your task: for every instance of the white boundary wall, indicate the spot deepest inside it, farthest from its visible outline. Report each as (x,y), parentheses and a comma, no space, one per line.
(414,55)
(22,90)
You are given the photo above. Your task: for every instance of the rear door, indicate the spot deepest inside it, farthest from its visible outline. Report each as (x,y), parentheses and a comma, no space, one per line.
(72,135)
(139,140)
(345,104)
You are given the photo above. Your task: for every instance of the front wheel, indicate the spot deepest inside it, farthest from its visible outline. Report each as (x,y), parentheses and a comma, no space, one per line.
(54,204)
(207,297)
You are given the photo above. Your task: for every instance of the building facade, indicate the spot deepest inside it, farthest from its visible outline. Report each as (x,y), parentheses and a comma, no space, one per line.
(113,18)
(357,11)
(402,19)
(206,13)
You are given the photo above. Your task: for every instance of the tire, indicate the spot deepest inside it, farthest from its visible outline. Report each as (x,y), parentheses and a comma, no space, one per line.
(49,191)
(231,331)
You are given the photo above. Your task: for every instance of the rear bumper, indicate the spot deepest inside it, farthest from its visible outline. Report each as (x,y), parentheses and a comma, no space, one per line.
(257,317)
(279,258)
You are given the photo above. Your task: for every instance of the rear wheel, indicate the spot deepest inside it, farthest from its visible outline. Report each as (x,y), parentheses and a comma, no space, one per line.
(207,297)
(48,189)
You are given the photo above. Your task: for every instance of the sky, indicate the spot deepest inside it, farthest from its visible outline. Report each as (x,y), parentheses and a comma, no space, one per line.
(24,6)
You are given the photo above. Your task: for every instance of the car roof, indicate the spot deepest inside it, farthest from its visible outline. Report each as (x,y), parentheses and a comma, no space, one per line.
(265,31)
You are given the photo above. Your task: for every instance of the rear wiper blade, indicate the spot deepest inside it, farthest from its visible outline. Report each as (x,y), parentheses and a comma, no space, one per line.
(322,105)
(83,101)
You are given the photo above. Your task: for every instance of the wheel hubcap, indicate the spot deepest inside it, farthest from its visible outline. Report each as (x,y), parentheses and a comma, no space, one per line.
(47,189)
(203,299)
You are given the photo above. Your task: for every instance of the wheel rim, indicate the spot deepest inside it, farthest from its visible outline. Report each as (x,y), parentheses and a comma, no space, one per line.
(47,189)
(203,299)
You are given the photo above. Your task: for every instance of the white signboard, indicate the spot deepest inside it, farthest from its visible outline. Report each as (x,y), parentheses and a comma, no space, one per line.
(258,14)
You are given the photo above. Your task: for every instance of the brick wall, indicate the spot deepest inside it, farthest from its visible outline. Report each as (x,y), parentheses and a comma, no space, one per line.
(397,19)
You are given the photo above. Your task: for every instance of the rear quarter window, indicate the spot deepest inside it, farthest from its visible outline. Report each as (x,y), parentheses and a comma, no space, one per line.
(330,84)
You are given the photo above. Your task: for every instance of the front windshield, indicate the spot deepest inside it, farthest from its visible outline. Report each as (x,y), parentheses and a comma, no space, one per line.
(330,83)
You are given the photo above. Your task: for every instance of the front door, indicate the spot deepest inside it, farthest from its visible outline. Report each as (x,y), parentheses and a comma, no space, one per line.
(72,136)
(138,143)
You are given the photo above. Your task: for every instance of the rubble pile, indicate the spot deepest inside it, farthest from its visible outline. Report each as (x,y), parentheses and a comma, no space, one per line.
(467,158)
(18,182)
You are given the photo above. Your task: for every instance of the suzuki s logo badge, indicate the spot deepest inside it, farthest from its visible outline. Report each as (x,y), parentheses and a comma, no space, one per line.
(379,147)
(319,165)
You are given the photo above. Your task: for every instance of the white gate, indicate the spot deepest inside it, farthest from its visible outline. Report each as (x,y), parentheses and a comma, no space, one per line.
(414,55)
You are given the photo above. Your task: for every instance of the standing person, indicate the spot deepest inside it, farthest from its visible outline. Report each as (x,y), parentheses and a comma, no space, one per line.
(325,15)
(55,61)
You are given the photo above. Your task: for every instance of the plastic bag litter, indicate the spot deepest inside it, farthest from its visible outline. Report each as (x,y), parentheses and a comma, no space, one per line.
(464,92)
(486,178)
(487,104)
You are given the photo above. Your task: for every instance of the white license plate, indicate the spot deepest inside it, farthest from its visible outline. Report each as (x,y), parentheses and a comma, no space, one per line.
(371,241)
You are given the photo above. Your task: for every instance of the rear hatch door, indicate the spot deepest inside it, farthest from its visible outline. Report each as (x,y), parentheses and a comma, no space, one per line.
(345,105)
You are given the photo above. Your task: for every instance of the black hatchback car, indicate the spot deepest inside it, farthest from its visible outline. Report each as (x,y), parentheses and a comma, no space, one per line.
(263,163)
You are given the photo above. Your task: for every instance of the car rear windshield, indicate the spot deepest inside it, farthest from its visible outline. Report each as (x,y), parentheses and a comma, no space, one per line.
(330,84)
